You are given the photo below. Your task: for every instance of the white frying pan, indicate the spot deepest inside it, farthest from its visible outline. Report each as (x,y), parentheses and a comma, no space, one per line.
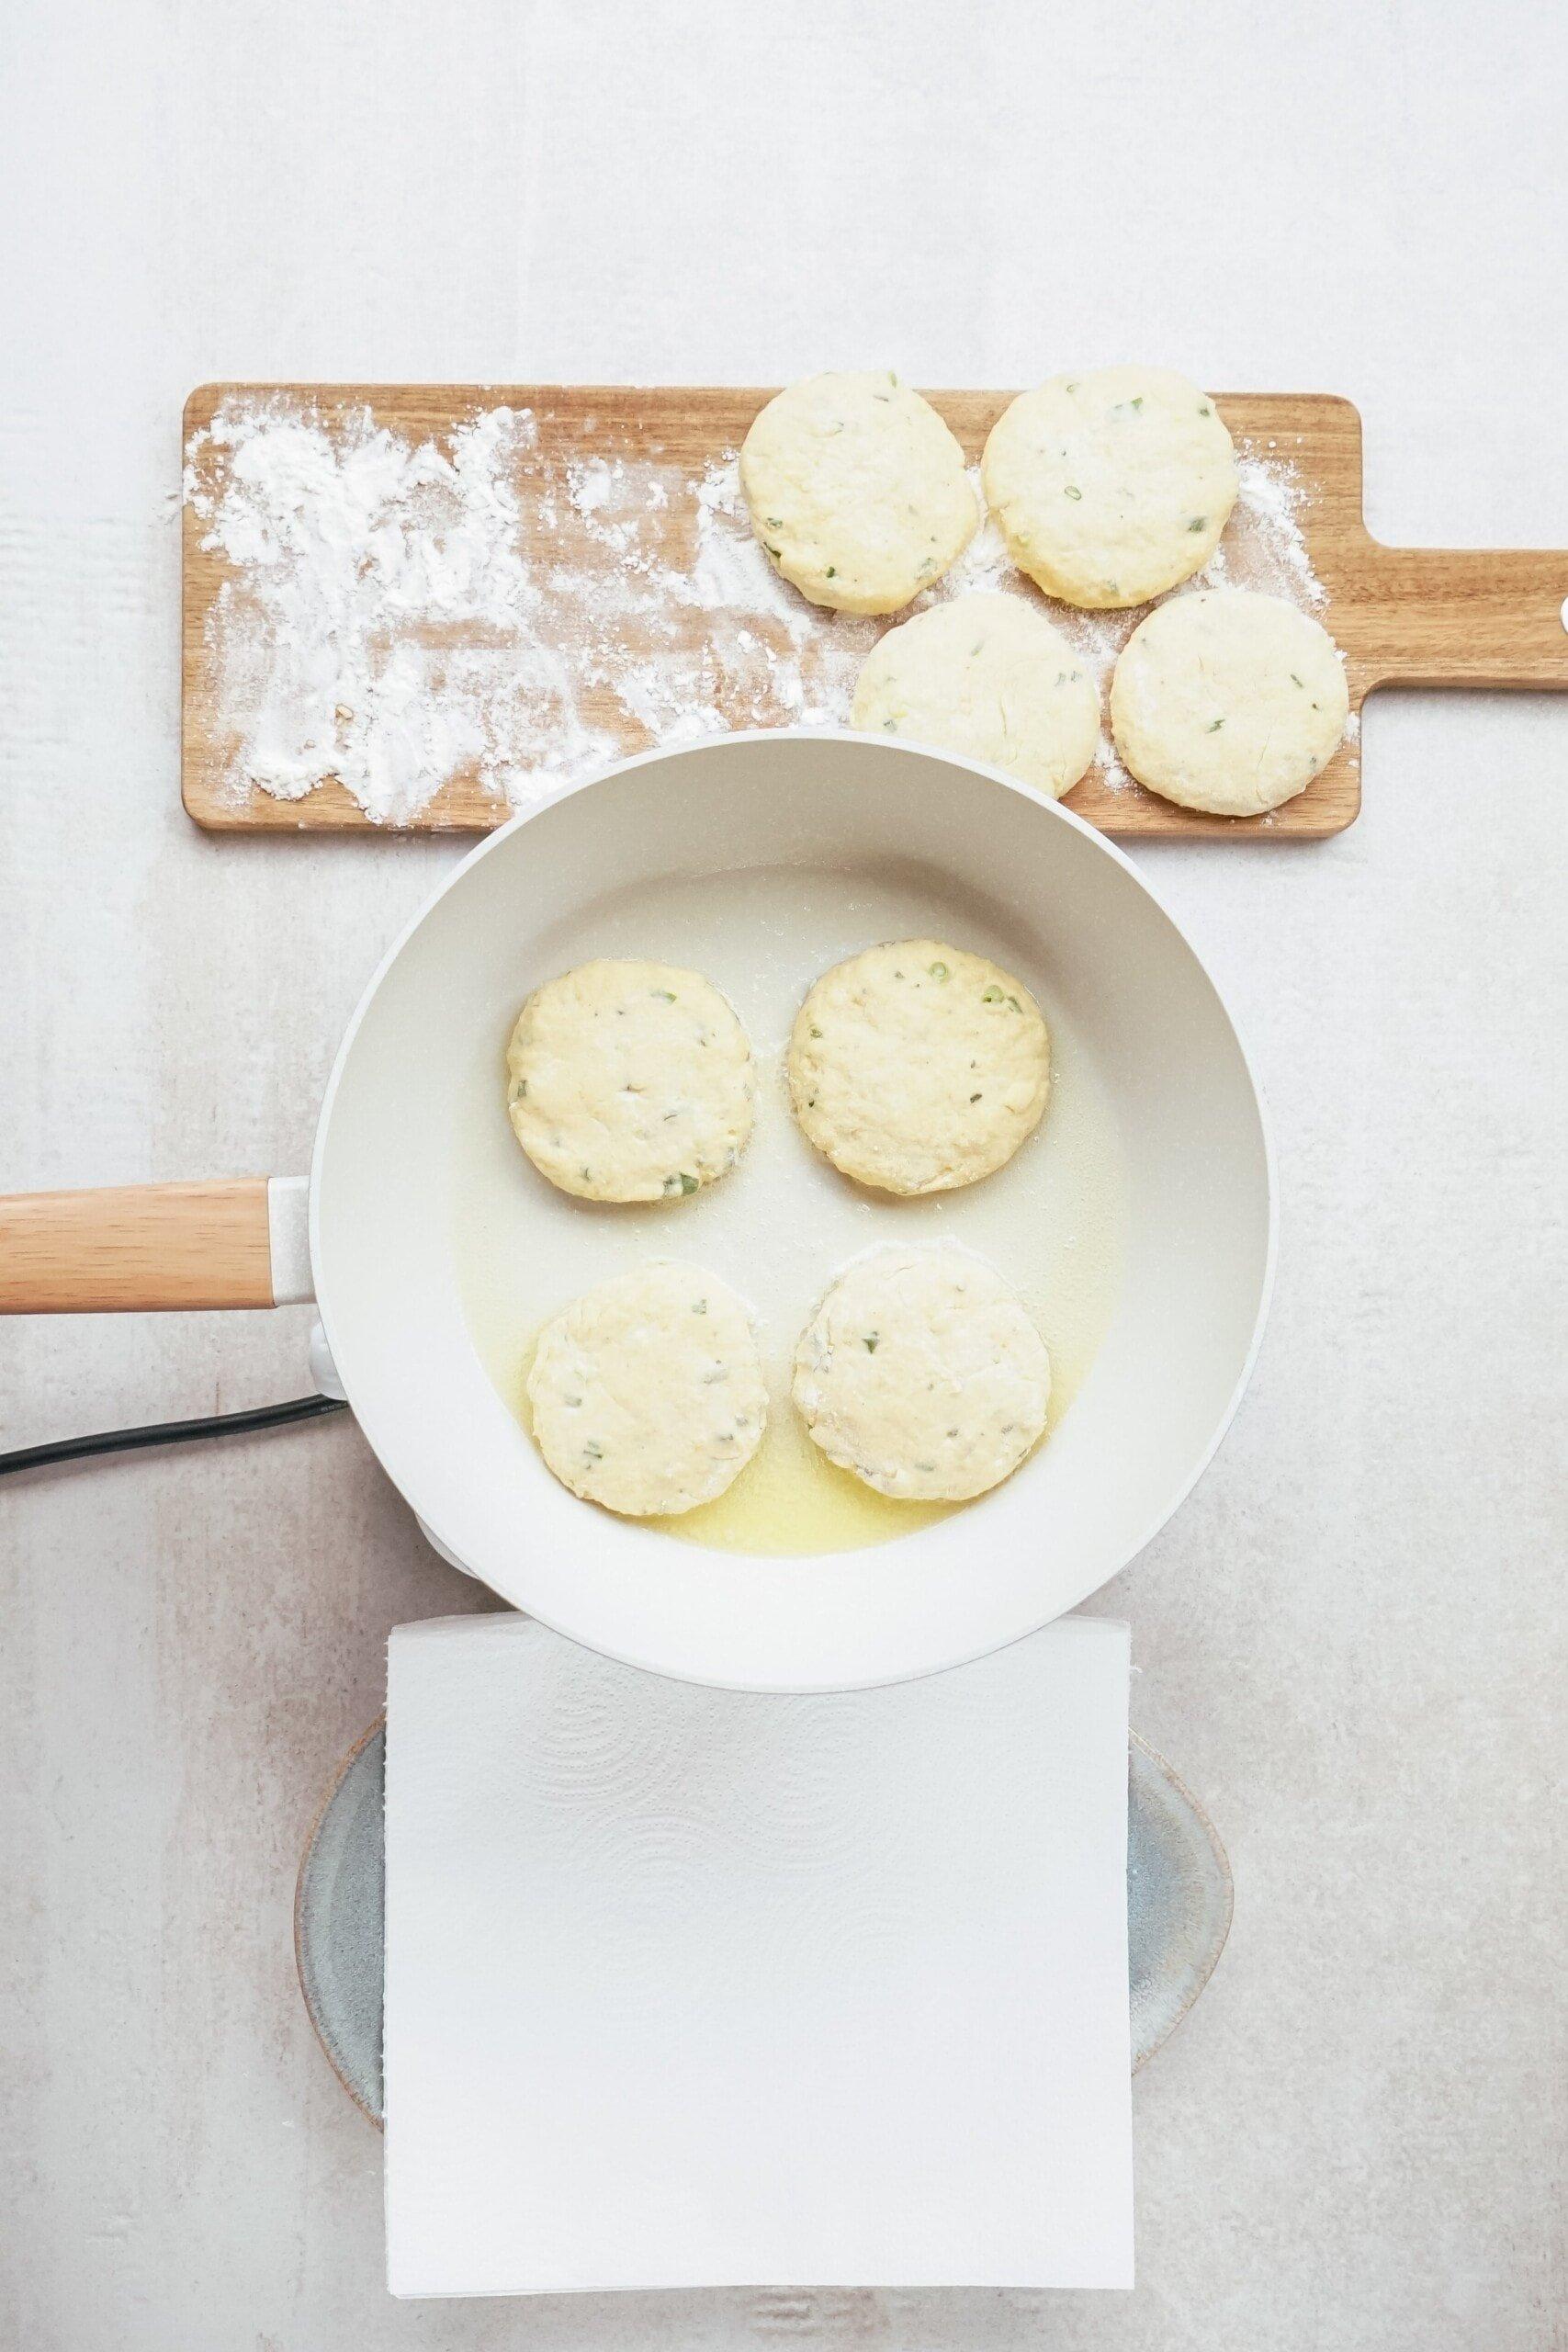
(760,859)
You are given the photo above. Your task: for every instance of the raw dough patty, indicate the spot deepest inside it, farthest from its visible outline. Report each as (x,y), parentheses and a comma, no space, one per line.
(648,1393)
(989,678)
(1228,701)
(916,1067)
(921,1372)
(629,1082)
(857,489)
(1111,487)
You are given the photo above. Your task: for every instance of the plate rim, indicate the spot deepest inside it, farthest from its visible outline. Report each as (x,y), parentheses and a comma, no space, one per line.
(345,1764)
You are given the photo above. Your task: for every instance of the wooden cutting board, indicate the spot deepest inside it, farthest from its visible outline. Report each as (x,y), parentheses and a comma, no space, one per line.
(1427,616)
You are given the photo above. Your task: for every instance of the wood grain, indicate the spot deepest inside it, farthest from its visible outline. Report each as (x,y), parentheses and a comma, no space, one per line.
(142,1247)
(1419,616)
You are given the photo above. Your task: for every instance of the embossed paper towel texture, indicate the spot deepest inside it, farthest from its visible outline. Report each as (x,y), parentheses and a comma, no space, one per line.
(697,1987)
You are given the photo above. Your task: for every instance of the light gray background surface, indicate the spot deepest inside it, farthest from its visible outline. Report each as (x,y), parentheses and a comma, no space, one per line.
(1350,1637)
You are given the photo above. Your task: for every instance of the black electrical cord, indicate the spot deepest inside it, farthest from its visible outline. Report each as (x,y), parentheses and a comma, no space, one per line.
(76,1449)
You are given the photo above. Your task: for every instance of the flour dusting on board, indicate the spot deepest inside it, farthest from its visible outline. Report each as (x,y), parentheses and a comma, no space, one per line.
(1271,554)
(399,614)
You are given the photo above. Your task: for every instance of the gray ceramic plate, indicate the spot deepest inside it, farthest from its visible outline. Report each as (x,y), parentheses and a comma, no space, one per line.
(1178,1911)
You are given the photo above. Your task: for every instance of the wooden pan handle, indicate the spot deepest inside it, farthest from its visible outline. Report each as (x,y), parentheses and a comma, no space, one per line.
(147,1246)
(1463,617)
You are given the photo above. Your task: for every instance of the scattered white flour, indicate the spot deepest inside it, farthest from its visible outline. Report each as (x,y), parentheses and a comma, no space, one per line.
(1271,498)
(401,615)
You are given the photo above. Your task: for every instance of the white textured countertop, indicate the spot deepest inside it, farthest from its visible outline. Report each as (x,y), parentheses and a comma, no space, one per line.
(1350,1639)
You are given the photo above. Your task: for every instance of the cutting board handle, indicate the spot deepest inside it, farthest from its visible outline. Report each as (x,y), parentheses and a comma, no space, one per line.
(236,1242)
(1463,617)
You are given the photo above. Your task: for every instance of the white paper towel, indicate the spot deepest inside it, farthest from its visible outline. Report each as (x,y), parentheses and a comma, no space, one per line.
(694,1987)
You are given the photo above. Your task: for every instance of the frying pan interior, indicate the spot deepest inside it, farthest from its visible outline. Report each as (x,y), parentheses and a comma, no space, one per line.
(392,1178)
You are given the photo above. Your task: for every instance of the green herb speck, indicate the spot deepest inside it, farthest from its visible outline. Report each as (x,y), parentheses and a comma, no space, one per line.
(701,1307)
(1216,726)
(869,1342)
(593,1451)
(1197,523)
(990,996)
(1015,1004)
(1072,490)
(936,971)
(1297,682)
(1205,410)
(973,1097)
(665,996)
(832,572)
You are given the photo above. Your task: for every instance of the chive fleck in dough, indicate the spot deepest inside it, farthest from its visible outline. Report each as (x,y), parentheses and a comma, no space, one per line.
(922,1374)
(630,1082)
(989,678)
(1228,701)
(916,1067)
(647,1394)
(857,491)
(1111,486)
